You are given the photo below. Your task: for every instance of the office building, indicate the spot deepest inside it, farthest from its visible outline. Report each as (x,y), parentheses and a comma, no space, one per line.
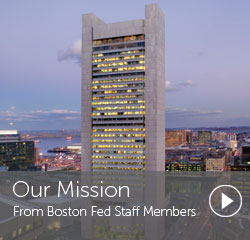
(123,93)
(245,154)
(204,137)
(174,138)
(16,154)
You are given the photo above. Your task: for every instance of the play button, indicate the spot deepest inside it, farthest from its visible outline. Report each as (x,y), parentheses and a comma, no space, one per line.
(225,201)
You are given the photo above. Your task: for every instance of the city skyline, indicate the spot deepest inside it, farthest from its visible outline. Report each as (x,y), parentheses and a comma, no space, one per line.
(207,53)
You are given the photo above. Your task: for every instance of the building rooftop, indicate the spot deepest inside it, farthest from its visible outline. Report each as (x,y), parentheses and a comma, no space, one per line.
(8,132)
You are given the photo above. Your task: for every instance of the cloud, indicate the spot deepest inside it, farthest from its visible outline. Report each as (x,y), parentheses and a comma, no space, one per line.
(39,115)
(173,87)
(40,119)
(72,53)
(183,112)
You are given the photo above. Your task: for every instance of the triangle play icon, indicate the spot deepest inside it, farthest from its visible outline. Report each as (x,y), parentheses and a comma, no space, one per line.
(225,201)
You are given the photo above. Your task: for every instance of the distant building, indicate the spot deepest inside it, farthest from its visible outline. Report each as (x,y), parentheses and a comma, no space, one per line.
(16,154)
(245,154)
(215,163)
(76,148)
(181,166)
(204,137)
(174,138)
(219,136)
(231,137)
(233,144)
(240,168)
(189,137)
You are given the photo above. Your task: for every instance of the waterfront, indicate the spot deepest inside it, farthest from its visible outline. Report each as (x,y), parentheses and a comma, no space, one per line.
(45,144)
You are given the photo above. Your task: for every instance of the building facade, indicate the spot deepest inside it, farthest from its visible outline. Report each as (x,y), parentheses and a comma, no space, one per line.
(16,154)
(183,166)
(174,138)
(204,137)
(245,154)
(215,163)
(123,93)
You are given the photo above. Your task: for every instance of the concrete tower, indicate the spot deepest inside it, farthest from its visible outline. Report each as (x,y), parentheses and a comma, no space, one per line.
(123,93)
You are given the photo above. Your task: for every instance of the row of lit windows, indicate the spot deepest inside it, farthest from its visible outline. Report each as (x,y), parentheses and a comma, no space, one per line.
(114,75)
(117,80)
(118,86)
(117,108)
(119,135)
(119,118)
(118,53)
(119,39)
(118,168)
(118,102)
(117,152)
(118,91)
(117,97)
(120,69)
(119,157)
(119,130)
(118,64)
(112,59)
(183,169)
(116,141)
(121,123)
(123,140)
(122,163)
(117,146)
(117,113)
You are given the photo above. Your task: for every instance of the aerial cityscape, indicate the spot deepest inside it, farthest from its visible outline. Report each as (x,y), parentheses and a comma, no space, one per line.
(225,149)
(125,123)
(124,120)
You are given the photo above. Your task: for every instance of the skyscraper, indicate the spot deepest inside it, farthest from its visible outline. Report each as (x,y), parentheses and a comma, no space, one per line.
(123,93)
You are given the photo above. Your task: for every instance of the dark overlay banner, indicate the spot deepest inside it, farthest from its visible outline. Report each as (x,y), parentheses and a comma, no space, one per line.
(124,205)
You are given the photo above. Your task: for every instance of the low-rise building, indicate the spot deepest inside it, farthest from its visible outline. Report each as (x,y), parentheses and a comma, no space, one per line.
(184,166)
(216,163)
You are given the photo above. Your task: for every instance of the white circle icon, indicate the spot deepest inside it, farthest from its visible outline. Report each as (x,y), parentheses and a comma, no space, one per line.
(226,201)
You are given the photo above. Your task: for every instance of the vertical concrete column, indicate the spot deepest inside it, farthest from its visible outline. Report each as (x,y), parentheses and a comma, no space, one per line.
(88,22)
(154,29)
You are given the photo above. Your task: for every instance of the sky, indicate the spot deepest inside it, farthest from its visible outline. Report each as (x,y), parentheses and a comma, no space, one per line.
(207,61)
